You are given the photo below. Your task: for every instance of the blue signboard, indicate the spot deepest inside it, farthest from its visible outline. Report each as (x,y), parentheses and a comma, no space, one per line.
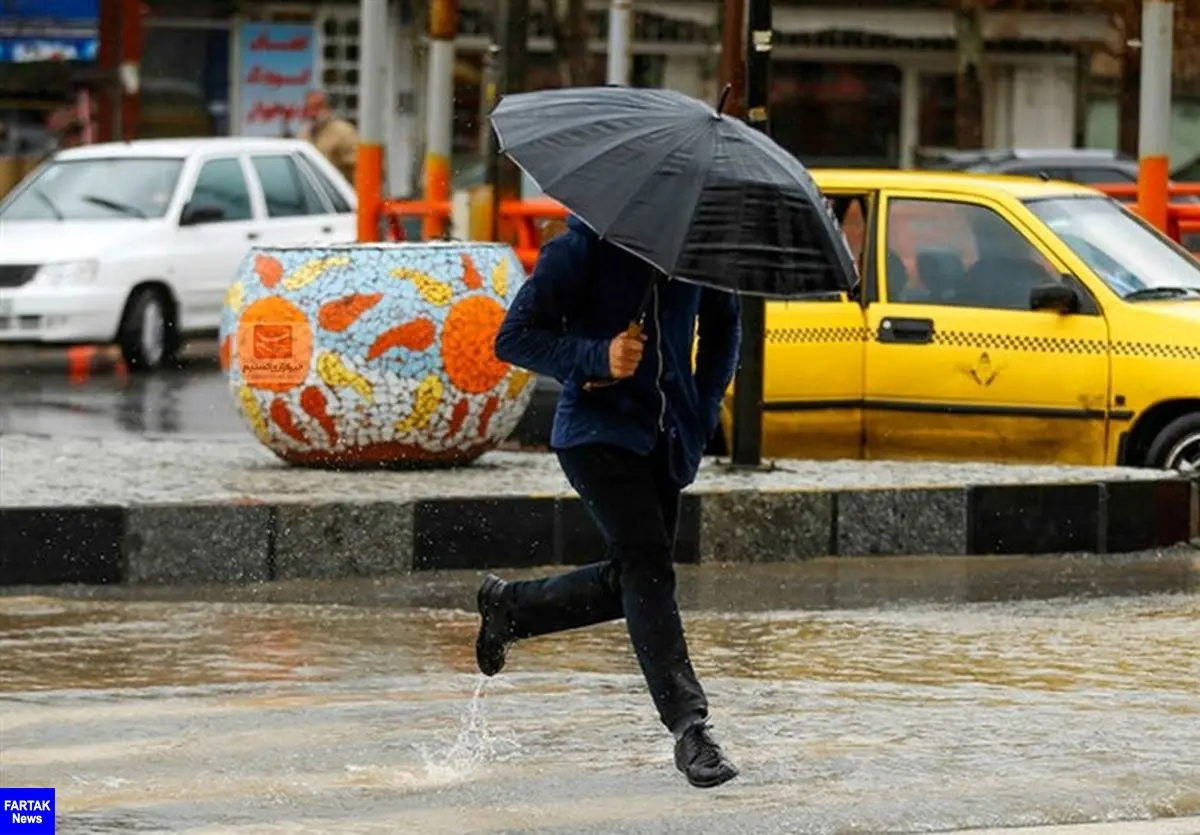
(277,67)
(50,48)
(48,30)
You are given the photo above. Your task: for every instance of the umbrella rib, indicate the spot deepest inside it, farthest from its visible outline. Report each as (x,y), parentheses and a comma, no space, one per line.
(769,148)
(697,189)
(592,226)
(594,152)
(684,139)
(562,127)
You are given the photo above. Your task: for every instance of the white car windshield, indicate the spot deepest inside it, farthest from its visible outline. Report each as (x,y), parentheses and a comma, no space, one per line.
(94,189)
(1129,255)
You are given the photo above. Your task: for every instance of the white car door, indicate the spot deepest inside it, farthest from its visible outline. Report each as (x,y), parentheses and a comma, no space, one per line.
(297,213)
(218,224)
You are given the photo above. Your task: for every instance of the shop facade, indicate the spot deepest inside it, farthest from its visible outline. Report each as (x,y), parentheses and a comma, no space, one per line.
(850,86)
(871,86)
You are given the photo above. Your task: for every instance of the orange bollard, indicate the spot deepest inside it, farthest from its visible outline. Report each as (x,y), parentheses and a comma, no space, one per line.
(79,362)
(1154,124)
(368,185)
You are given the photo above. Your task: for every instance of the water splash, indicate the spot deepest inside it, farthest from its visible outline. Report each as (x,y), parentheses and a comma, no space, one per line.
(475,744)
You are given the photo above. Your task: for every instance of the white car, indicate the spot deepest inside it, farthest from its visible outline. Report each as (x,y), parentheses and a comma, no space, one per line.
(137,242)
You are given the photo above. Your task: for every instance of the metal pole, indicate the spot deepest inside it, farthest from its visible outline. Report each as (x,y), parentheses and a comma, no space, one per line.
(1154,124)
(443,26)
(620,13)
(748,385)
(373,71)
(487,137)
(129,70)
(108,86)
(496,70)
(733,67)
(512,24)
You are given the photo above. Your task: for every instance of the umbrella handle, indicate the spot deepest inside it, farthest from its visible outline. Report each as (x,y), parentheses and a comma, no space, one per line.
(635,330)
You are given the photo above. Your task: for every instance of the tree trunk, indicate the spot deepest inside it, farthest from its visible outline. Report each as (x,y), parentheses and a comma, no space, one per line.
(968,108)
(1130,83)
(569,26)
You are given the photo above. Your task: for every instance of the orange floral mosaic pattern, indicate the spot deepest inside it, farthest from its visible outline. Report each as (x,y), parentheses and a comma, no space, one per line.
(375,355)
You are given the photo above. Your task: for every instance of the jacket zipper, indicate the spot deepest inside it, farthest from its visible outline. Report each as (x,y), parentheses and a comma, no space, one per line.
(662,413)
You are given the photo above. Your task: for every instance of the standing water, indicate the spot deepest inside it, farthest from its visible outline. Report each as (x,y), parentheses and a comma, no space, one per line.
(356,708)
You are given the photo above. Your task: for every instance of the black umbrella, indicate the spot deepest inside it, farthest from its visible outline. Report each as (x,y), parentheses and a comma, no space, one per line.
(701,195)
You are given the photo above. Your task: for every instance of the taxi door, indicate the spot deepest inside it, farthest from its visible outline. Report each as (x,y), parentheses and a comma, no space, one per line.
(959,365)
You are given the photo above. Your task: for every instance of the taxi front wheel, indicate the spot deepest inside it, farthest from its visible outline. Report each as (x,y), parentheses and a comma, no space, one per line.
(1177,446)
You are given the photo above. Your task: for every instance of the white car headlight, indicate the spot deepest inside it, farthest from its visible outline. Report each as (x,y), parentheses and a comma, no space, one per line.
(68,273)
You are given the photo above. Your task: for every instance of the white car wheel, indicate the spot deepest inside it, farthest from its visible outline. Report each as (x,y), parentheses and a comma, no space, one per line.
(146,335)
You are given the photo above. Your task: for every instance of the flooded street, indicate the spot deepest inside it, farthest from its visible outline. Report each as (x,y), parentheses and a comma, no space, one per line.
(858,696)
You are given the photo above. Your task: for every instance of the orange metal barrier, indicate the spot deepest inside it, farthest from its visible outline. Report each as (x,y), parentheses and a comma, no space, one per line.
(1122,191)
(1183,219)
(1183,224)
(527,220)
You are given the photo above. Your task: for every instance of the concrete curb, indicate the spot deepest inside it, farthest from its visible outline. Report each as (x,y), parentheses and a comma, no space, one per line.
(256,541)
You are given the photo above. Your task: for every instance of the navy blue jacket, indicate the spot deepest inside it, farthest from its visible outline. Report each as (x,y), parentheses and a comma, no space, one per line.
(582,293)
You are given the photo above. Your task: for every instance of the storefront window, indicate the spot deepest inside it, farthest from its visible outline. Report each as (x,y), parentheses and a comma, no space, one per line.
(837,114)
(938,103)
(340,63)
(30,94)
(193,9)
(185,82)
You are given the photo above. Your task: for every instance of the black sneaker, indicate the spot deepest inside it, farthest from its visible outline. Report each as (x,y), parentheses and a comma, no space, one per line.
(491,645)
(701,759)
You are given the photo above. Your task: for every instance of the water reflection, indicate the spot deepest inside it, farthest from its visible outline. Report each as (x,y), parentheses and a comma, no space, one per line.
(192,400)
(216,711)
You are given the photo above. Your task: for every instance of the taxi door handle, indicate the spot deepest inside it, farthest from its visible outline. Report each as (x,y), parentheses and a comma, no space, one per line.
(905,331)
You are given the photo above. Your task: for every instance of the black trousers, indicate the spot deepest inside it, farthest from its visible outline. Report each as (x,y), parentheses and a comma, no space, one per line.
(635,504)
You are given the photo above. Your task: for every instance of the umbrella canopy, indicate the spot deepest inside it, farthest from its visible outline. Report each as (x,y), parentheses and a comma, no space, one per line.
(701,195)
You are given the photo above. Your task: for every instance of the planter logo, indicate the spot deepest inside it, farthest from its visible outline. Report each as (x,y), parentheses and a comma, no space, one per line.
(274,345)
(26,811)
(273,342)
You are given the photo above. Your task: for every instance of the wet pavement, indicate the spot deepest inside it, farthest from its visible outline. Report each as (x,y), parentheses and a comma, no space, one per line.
(190,401)
(886,695)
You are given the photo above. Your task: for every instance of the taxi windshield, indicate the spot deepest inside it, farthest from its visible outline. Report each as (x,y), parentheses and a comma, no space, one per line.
(1130,256)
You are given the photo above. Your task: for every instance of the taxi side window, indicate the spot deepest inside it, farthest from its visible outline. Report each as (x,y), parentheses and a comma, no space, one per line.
(852,215)
(944,252)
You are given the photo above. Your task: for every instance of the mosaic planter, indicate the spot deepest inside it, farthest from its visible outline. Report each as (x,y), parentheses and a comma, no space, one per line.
(374,355)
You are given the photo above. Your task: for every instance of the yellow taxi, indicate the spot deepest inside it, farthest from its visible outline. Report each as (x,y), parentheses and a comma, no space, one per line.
(997,319)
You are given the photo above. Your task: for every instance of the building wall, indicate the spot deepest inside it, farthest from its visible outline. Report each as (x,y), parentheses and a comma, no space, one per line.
(1042,113)
(689,74)
(1100,129)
